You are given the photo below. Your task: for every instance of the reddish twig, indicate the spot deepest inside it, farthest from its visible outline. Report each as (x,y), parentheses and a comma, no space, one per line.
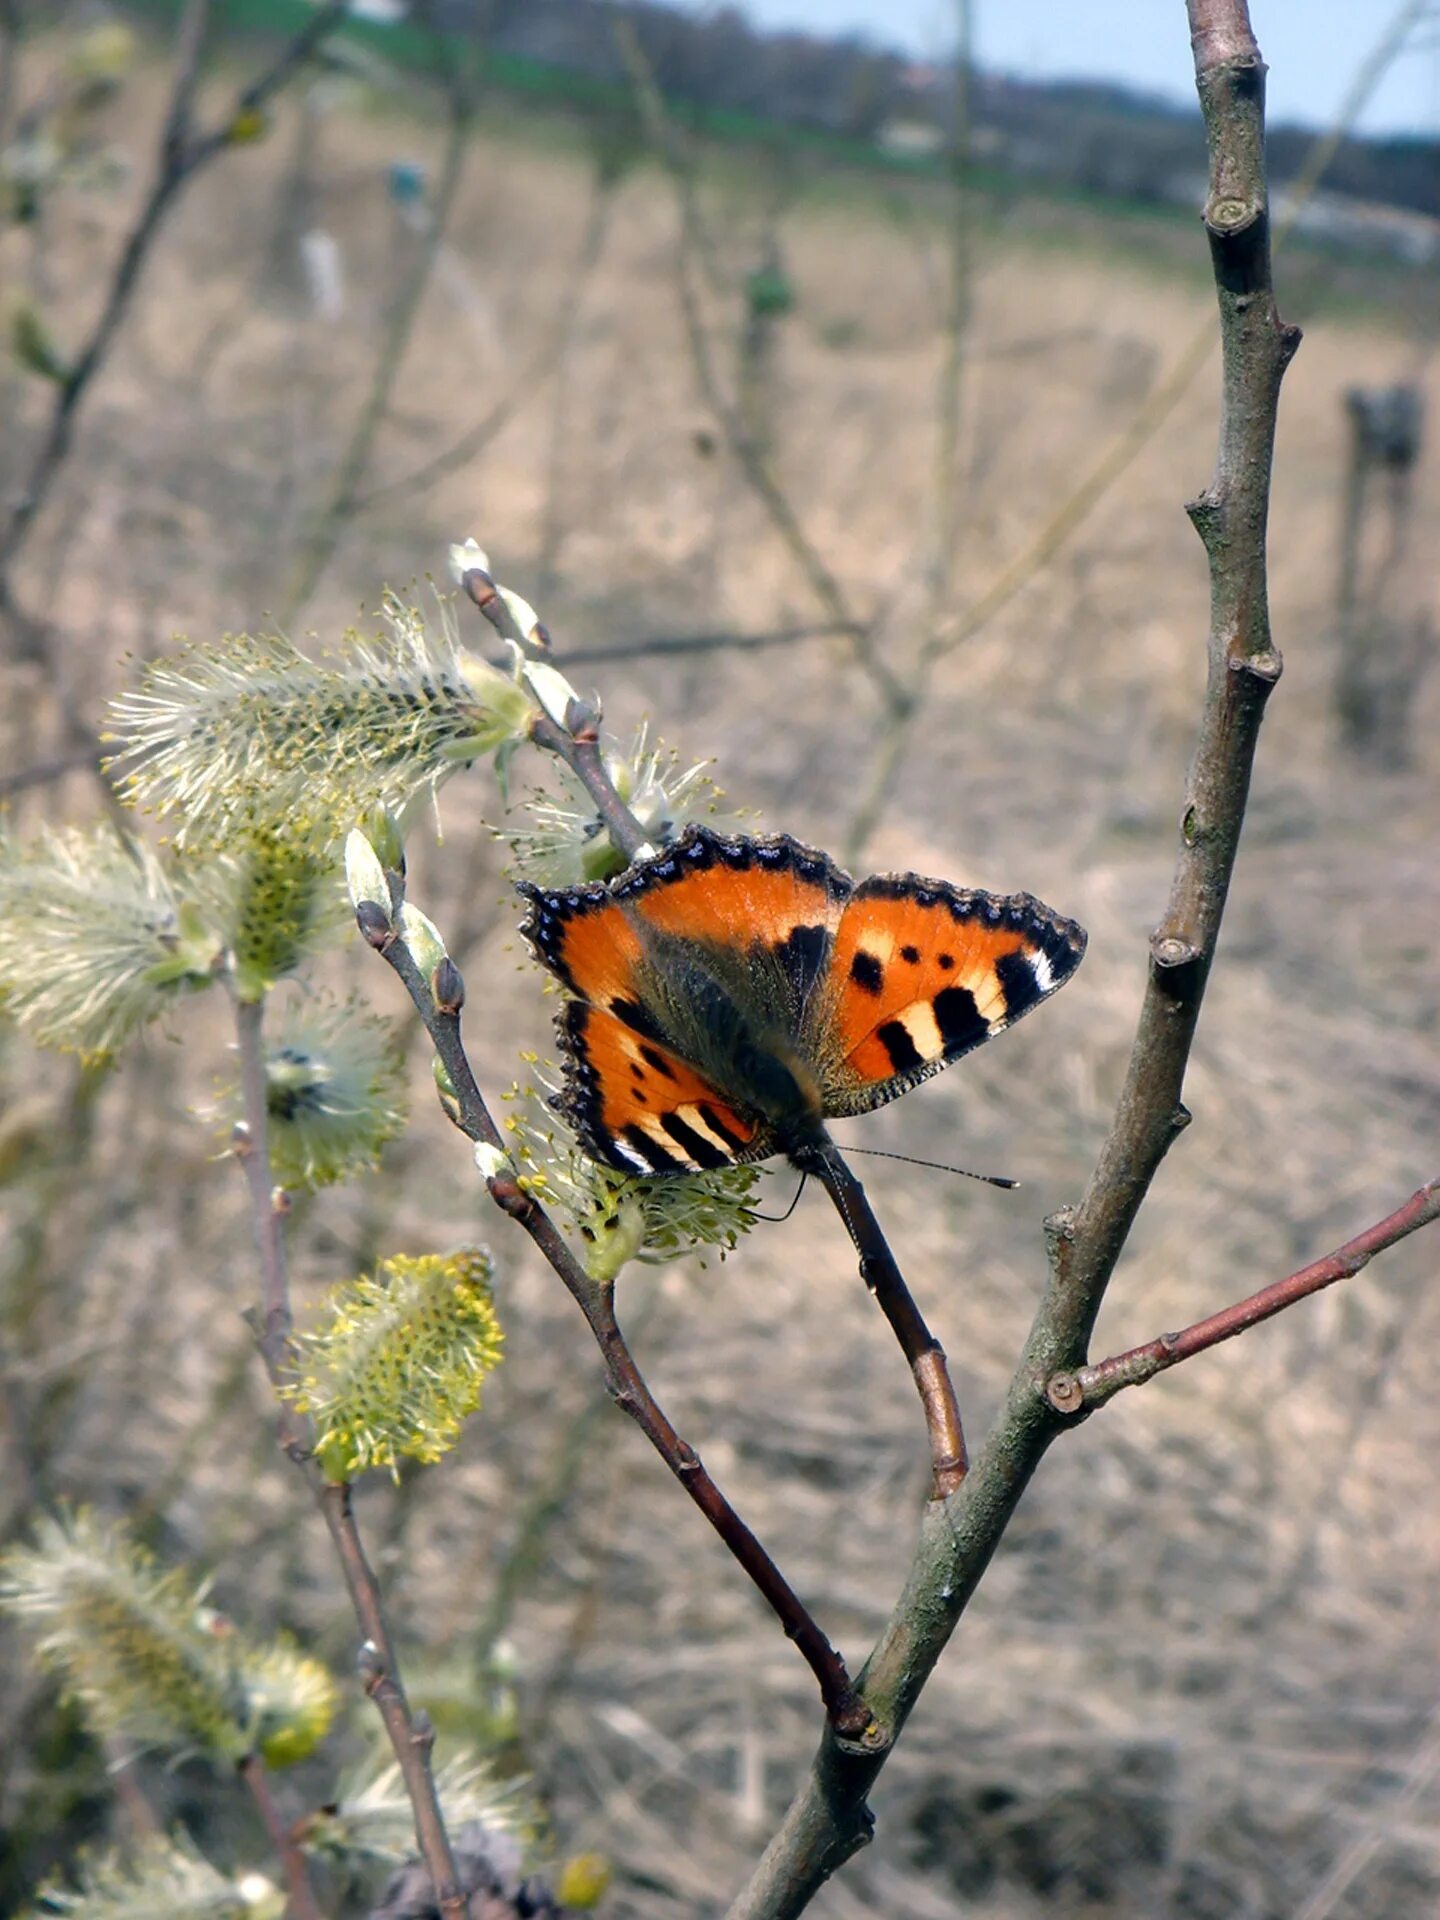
(303,1904)
(412,1737)
(881,1273)
(845,1710)
(1091,1386)
(578,745)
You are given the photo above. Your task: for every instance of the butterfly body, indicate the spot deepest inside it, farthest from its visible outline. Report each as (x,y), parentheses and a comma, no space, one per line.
(731,994)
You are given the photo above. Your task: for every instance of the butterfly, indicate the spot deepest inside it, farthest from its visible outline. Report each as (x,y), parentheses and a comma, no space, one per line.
(731,994)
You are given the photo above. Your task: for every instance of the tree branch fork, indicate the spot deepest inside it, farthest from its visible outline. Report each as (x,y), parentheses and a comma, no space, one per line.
(1082,1390)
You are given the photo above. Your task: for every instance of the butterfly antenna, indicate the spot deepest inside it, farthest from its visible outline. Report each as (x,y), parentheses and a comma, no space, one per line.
(937,1166)
(775,1218)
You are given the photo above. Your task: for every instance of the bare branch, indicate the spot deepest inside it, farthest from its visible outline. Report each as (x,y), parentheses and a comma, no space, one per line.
(410,1735)
(658,645)
(844,1709)
(749,457)
(180,158)
(579,748)
(1153,412)
(881,1273)
(542,363)
(1091,1386)
(303,1904)
(44,771)
(328,525)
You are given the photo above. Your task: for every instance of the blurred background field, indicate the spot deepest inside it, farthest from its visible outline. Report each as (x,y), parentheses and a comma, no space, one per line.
(1202,1678)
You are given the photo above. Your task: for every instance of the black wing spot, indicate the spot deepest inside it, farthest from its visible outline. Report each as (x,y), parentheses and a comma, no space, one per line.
(657,1061)
(958,1019)
(715,1121)
(1017,977)
(802,954)
(703,1152)
(946,962)
(637,1019)
(650,1151)
(637,1069)
(910,955)
(894,1036)
(867,972)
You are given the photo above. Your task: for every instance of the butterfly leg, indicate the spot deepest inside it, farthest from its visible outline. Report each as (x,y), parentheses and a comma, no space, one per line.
(881,1273)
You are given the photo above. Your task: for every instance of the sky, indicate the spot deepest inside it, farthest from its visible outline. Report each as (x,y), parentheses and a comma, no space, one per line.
(1313,47)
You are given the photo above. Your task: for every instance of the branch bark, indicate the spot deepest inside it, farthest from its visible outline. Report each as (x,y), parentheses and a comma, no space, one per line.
(1091,1386)
(829,1819)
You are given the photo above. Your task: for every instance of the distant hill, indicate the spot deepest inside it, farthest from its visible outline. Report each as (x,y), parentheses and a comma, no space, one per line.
(868,102)
(1093,134)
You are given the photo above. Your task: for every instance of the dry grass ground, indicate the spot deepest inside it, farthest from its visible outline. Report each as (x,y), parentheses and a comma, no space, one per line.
(1203,1674)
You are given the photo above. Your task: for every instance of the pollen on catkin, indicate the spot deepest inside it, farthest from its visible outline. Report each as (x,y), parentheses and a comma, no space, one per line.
(334,1090)
(396,1365)
(145,1655)
(621,1217)
(95,942)
(376,723)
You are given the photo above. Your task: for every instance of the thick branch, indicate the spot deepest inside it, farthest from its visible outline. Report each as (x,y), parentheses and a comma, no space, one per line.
(1091,1386)
(1230,516)
(829,1819)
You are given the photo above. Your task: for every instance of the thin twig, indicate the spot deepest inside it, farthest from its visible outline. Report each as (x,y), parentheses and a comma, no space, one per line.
(724,641)
(844,1709)
(1157,408)
(881,1273)
(748,455)
(580,750)
(329,523)
(547,357)
(181,156)
(1091,1386)
(303,1904)
(11,26)
(410,1735)
(1417,1778)
(44,771)
(951,631)
(252,1149)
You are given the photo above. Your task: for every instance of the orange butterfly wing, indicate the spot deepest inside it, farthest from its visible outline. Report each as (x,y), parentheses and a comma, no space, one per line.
(922,972)
(637,1105)
(844,997)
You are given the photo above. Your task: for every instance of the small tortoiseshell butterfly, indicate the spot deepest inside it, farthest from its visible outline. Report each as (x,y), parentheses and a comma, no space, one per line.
(731,995)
